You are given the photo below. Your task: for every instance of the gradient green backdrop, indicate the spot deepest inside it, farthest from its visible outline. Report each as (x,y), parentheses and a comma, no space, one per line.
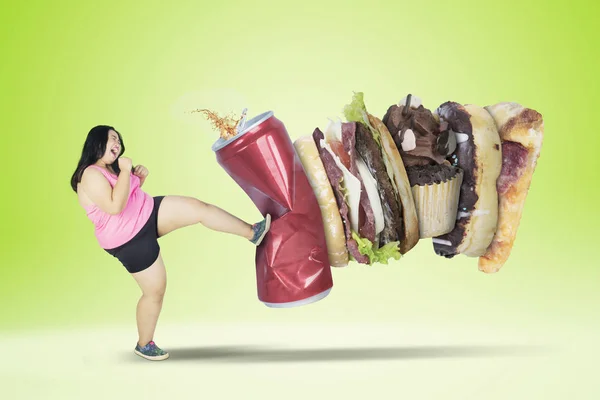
(140,66)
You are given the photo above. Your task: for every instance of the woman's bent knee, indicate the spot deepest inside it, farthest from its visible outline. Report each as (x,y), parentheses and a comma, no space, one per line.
(156,295)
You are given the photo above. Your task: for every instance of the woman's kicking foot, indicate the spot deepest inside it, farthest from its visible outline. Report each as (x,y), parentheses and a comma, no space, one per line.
(260,229)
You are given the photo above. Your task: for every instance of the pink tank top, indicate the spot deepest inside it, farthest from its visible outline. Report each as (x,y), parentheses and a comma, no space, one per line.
(114,230)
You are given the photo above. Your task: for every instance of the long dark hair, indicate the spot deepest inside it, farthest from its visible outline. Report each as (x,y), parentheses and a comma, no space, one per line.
(93,150)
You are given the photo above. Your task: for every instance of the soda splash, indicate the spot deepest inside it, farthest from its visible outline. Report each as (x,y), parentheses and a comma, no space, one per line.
(227,125)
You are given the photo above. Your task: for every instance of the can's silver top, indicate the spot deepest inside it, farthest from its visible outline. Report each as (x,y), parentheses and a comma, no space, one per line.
(248,126)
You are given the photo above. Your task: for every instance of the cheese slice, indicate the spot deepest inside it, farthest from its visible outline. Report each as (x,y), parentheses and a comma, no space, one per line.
(372,192)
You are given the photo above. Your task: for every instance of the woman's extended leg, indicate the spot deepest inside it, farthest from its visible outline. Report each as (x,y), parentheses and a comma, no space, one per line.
(178,211)
(153,282)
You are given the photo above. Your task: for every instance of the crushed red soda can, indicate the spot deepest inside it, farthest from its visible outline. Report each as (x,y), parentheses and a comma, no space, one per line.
(292,264)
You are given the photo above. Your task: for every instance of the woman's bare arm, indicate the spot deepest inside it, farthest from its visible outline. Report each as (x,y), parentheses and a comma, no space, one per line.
(98,189)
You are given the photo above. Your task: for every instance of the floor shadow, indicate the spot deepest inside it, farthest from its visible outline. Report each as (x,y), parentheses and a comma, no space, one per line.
(251,354)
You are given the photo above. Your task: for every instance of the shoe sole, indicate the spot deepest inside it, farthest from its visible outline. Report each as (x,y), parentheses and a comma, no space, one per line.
(267,227)
(152,358)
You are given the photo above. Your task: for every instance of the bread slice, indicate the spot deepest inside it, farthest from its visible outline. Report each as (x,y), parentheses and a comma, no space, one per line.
(332,222)
(397,172)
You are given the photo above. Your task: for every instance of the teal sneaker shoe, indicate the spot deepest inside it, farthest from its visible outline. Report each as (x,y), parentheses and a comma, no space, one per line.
(151,352)
(260,229)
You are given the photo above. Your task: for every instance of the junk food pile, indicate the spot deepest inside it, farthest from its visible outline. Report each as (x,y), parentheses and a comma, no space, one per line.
(367,189)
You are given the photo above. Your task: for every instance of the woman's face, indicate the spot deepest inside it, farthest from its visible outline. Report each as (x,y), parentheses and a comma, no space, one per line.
(113,148)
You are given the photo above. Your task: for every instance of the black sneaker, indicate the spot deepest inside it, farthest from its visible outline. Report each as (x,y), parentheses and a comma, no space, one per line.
(260,229)
(151,352)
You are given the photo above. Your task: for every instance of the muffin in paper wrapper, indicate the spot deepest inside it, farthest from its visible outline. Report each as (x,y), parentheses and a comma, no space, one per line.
(437,206)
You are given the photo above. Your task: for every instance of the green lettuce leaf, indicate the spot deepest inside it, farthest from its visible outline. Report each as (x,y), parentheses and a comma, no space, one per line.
(380,255)
(356,111)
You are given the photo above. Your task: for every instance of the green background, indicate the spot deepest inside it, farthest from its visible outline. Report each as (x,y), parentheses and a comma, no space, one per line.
(139,66)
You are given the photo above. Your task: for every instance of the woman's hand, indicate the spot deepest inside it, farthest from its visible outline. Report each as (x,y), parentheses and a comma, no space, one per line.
(125,164)
(141,172)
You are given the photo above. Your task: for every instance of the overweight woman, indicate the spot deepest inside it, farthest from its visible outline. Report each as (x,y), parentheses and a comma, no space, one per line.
(128,222)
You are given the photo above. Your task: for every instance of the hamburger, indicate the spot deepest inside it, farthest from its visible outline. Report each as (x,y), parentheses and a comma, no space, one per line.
(361,184)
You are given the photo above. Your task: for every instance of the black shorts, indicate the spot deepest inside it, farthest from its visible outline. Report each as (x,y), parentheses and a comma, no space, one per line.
(142,250)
